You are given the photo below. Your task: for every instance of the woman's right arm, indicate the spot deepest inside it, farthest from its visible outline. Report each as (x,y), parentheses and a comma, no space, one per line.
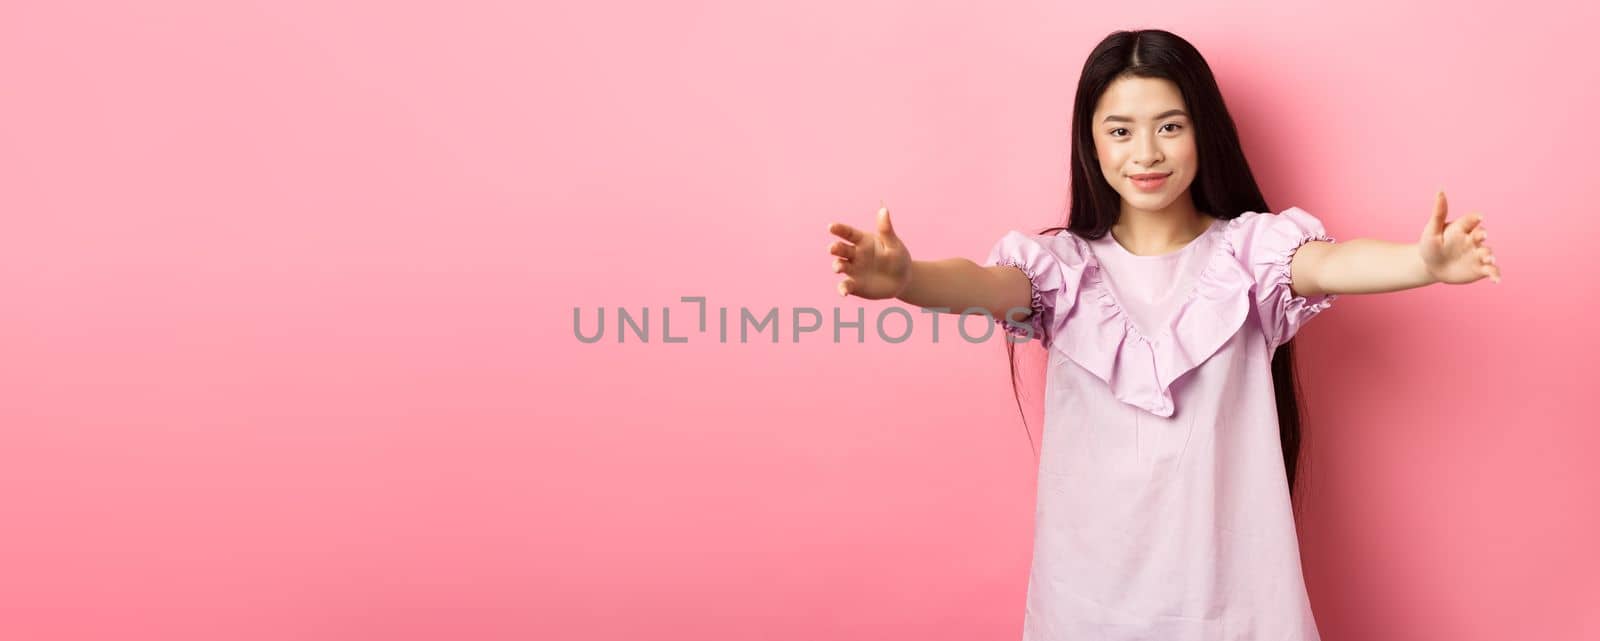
(958,284)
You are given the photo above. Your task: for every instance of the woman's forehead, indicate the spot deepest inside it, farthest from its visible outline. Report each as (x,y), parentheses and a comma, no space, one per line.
(1139,98)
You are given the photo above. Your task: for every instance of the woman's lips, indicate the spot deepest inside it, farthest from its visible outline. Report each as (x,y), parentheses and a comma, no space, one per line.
(1149,184)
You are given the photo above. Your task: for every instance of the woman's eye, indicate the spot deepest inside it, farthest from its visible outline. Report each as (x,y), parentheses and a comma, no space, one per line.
(1122,131)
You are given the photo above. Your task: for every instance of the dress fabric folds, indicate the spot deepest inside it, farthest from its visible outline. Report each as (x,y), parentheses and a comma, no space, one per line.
(1163,508)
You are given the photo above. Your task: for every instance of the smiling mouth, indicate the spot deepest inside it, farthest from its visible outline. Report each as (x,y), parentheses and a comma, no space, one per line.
(1150,183)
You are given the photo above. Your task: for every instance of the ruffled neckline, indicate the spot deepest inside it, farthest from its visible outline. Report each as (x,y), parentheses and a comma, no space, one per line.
(1100,336)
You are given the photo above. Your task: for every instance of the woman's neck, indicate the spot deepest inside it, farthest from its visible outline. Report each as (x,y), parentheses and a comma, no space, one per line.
(1148,233)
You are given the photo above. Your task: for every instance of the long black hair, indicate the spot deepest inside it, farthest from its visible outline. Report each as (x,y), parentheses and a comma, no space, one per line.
(1223,185)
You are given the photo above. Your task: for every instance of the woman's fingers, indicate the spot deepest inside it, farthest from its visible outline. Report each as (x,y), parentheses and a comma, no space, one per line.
(1470,228)
(847,252)
(846,232)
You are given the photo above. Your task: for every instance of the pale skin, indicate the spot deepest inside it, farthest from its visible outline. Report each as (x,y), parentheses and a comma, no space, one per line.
(1142,128)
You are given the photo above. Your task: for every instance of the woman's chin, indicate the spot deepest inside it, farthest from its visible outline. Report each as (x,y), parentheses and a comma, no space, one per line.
(1148,202)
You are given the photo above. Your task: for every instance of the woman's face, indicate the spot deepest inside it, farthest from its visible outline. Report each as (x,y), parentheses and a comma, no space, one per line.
(1142,127)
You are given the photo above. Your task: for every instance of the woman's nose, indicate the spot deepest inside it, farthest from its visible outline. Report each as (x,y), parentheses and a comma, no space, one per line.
(1149,152)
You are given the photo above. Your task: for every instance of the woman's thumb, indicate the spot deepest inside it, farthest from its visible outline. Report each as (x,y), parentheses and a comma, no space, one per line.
(1436,222)
(885,226)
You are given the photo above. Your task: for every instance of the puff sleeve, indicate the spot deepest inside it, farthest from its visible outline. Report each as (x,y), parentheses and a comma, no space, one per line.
(1051,265)
(1265,245)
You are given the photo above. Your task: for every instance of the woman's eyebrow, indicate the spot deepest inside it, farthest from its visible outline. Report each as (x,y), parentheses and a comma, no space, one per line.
(1164,114)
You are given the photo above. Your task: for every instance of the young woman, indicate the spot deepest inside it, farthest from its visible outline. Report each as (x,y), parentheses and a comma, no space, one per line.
(1166,305)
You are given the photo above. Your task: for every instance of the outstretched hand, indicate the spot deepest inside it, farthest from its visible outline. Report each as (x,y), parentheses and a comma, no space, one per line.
(1455,253)
(875,265)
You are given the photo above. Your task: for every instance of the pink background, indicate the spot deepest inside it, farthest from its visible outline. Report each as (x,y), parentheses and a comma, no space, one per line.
(289,293)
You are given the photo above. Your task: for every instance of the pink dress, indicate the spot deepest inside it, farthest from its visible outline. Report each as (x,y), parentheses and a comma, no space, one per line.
(1163,508)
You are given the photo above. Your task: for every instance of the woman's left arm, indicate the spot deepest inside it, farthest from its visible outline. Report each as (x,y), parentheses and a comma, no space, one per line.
(1453,253)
